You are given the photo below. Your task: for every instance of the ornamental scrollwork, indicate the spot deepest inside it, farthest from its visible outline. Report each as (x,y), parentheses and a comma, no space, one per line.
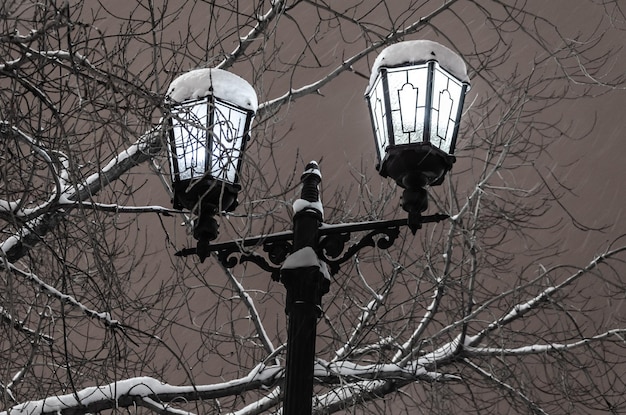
(334,244)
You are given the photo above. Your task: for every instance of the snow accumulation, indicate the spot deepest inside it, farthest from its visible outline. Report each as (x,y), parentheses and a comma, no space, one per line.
(227,86)
(313,168)
(141,387)
(301,204)
(138,386)
(346,368)
(416,52)
(305,257)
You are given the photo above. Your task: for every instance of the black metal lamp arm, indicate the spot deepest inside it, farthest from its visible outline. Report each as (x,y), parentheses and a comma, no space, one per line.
(333,241)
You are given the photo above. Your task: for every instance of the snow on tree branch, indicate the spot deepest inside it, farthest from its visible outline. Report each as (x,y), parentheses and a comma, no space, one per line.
(369,311)
(18,324)
(254,314)
(521,309)
(271,400)
(32,231)
(512,389)
(618,334)
(339,372)
(262,23)
(149,392)
(47,54)
(126,393)
(64,298)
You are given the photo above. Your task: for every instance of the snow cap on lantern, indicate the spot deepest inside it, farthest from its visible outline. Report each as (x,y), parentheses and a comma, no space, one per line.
(212,81)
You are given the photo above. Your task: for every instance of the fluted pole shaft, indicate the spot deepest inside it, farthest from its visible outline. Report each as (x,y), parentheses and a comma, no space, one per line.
(306,284)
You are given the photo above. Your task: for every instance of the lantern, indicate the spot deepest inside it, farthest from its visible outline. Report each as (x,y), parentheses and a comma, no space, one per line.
(208,124)
(415,98)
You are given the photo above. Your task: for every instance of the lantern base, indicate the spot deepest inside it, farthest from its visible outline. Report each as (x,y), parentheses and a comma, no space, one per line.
(414,202)
(416,165)
(413,167)
(196,195)
(205,198)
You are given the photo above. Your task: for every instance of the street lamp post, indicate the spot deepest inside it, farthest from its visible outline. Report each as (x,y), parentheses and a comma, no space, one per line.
(306,280)
(415,97)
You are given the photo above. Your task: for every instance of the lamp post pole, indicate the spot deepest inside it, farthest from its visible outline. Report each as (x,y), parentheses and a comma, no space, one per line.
(415,97)
(306,284)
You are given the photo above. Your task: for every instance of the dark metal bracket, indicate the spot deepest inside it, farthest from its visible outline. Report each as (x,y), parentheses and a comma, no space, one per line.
(333,241)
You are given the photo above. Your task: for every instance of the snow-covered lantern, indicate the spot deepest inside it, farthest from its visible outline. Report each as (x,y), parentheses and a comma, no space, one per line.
(415,98)
(210,112)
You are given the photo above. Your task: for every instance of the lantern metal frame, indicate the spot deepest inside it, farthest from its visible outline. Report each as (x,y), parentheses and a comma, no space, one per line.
(422,154)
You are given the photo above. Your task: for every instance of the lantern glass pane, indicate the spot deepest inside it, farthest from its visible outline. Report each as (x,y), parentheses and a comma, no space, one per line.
(189,123)
(379,116)
(447,96)
(407,101)
(229,129)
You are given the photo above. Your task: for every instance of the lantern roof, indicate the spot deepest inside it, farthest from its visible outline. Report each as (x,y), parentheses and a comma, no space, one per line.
(416,52)
(222,84)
